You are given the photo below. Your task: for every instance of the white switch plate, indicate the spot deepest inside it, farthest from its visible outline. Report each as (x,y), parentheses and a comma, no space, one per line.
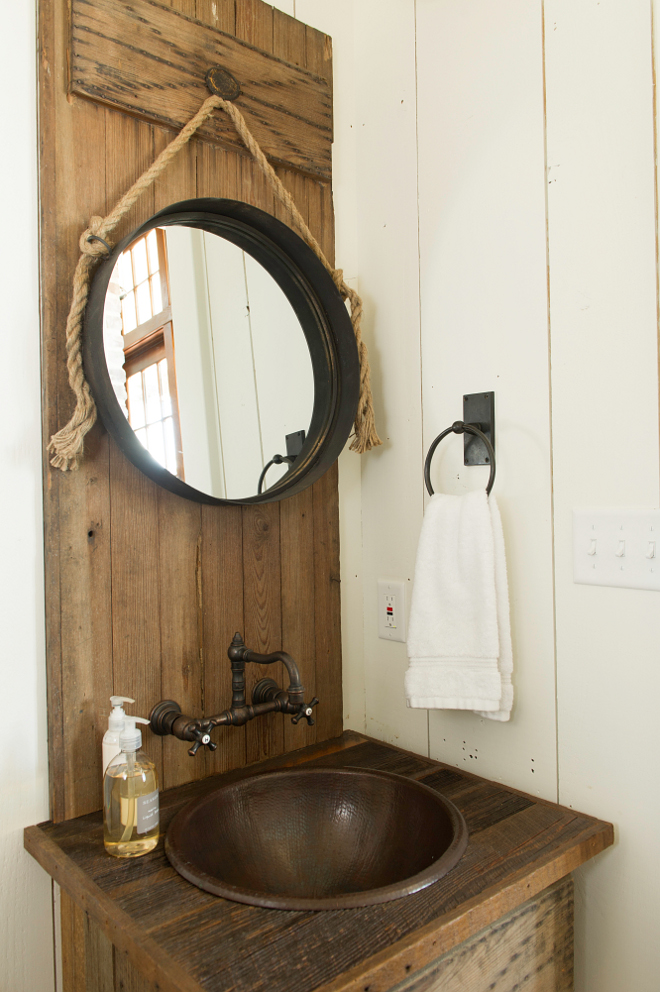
(617,548)
(391,610)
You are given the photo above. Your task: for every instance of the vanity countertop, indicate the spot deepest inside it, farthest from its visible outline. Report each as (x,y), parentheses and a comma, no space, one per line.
(182,939)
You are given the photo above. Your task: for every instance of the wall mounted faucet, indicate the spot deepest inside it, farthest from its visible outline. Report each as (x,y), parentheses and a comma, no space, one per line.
(267,697)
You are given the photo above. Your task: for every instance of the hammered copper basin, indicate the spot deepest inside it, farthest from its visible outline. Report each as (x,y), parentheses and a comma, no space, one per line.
(317,838)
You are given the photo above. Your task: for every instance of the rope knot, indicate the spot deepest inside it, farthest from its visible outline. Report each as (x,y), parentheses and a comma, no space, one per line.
(91,242)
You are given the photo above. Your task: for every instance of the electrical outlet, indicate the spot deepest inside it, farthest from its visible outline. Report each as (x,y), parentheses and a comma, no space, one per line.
(619,547)
(391,610)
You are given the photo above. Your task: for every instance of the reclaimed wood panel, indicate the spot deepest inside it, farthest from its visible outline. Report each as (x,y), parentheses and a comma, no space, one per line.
(145,590)
(150,60)
(519,846)
(530,948)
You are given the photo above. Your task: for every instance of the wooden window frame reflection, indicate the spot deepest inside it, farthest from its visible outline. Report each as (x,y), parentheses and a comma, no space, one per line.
(153,340)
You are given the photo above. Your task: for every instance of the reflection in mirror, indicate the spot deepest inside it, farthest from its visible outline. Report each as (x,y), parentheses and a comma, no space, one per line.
(202,348)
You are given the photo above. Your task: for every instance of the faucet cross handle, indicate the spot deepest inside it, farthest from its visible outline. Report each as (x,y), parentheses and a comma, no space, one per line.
(306,711)
(202,735)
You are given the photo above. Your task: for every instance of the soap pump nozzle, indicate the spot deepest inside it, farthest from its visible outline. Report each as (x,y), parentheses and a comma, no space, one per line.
(116,719)
(117,715)
(130,738)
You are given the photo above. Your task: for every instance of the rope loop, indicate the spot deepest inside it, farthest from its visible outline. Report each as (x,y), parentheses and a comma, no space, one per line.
(91,243)
(67,445)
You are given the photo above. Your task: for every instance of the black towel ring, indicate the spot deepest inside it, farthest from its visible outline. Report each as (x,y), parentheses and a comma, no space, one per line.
(458,427)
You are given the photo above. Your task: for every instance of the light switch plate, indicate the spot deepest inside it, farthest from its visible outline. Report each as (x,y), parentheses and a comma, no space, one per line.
(391,610)
(617,547)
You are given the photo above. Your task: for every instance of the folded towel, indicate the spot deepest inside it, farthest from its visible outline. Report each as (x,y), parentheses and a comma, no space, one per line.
(459,639)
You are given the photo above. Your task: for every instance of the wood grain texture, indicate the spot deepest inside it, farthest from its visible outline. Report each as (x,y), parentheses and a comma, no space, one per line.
(145,590)
(150,60)
(519,846)
(530,948)
(74,976)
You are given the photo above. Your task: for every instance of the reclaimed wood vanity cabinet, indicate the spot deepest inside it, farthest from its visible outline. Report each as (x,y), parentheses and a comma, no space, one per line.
(501,920)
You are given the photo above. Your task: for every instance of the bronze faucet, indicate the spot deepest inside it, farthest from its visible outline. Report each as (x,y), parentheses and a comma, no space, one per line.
(267,697)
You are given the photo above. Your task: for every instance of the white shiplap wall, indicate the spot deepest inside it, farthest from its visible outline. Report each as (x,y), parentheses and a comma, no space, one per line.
(604,332)
(541,284)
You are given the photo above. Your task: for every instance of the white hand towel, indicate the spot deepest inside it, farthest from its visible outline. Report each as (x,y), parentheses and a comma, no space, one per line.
(459,641)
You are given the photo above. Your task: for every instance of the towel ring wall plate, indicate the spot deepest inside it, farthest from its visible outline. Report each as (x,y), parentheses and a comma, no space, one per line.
(458,427)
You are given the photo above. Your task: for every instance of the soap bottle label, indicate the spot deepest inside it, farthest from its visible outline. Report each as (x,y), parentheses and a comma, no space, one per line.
(147,812)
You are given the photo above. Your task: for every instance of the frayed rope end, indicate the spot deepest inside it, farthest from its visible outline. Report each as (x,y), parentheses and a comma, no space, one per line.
(366,436)
(68,444)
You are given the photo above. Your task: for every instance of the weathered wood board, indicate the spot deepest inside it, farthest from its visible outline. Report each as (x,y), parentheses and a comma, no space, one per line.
(181,939)
(150,60)
(144,590)
(530,948)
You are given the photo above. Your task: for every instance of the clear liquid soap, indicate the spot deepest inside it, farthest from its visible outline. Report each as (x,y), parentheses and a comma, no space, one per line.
(130,798)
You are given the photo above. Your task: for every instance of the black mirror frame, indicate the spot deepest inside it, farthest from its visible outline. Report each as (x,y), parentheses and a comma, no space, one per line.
(316,302)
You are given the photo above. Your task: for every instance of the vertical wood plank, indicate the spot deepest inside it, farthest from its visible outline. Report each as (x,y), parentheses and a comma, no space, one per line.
(74,976)
(179,544)
(179,574)
(327,606)
(298,603)
(219,174)
(99,954)
(289,38)
(49,303)
(134,498)
(220,14)
(318,53)
(261,551)
(77,549)
(127,979)
(222,612)
(263,621)
(135,592)
(254,23)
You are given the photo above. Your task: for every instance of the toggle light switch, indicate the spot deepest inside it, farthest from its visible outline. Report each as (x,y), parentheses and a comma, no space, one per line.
(617,547)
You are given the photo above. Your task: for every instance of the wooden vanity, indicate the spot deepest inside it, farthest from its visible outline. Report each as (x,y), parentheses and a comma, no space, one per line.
(502,919)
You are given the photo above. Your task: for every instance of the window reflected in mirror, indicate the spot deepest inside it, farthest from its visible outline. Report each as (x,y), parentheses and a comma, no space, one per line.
(202,347)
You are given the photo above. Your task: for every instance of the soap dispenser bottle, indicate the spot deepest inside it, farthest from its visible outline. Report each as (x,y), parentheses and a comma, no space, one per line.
(130,797)
(116,719)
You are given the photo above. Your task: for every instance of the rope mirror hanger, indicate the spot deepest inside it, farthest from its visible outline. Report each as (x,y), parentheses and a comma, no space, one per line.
(67,445)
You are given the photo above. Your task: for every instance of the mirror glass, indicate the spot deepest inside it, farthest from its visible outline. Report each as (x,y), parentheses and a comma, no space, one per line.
(208,361)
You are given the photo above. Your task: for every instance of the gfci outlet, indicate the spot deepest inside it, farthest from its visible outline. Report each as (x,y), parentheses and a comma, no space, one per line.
(391,610)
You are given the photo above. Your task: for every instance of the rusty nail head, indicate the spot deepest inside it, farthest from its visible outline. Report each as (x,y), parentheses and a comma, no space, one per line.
(221,83)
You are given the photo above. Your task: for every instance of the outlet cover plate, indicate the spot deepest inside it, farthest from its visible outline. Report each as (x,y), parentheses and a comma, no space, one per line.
(392,595)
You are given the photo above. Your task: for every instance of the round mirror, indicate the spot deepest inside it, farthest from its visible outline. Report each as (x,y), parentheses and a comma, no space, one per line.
(221,355)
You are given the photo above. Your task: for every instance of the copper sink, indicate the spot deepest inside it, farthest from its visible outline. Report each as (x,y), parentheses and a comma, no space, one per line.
(317,838)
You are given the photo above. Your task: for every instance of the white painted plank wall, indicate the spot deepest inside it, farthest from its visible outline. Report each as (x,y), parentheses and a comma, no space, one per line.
(603,306)
(485,327)
(484,324)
